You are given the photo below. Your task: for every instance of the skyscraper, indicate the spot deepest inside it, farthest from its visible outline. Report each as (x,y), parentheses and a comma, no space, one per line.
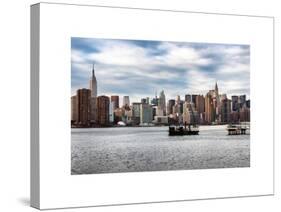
(146,114)
(93,109)
(242,100)
(136,113)
(178,99)
(200,103)
(171,103)
(83,106)
(115,99)
(193,98)
(188,98)
(103,110)
(210,111)
(93,83)
(162,102)
(225,110)
(74,109)
(235,105)
(126,101)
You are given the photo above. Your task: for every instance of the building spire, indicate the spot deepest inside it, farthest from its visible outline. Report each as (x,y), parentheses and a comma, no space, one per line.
(216,87)
(93,70)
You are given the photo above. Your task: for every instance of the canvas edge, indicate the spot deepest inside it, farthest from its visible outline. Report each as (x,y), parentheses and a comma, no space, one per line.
(34,106)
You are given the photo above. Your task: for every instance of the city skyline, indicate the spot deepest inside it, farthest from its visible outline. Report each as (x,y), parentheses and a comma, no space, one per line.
(140,68)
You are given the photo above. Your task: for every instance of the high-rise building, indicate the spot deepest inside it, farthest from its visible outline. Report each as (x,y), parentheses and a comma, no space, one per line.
(189,115)
(143,101)
(193,99)
(171,103)
(162,102)
(181,106)
(147,100)
(103,110)
(126,101)
(210,112)
(242,100)
(111,111)
(225,110)
(83,106)
(234,103)
(93,109)
(200,103)
(146,114)
(136,112)
(115,99)
(159,111)
(244,114)
(248,103)
(74,109)
(178,99)
(118,114)
(188,98)
(200,107)
(93,83)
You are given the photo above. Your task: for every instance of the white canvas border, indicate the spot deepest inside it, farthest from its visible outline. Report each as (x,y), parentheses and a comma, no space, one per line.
(59,189)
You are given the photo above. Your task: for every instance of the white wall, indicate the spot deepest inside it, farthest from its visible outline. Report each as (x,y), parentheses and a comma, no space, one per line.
(14,103)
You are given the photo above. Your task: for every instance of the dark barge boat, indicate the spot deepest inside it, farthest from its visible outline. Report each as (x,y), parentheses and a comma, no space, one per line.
(184,130)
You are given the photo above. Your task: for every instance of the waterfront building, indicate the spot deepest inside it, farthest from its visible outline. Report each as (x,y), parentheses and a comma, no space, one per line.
(128,114)
(178,99)
(103,110)
(74,109)
(181,106)
(147,100)
(244,114)
(234,117)
(200,107)
(176,109)
(225,110)
(200,104)
(146,115)
(162,102)
(93,110)
(159,111)
(143,101)
(234,103)
(188,98)
(115,99)
(118,114)
(83,106)
(193,99)
(136,113)
(170,105)
(210,112)
(111,111)
(248,103)
(126,101)
(242,100)
(93,83)
(189,115)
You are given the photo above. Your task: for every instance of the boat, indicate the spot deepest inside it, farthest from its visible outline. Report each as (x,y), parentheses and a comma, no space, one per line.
(183,130)
(238,129)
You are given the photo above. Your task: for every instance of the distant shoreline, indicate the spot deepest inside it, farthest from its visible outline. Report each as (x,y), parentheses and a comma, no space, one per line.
(128,126)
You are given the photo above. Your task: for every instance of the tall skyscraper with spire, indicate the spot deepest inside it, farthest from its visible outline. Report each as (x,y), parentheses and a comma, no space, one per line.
(93,83)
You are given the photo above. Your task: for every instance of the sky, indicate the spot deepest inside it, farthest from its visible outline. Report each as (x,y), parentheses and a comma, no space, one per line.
(140,68)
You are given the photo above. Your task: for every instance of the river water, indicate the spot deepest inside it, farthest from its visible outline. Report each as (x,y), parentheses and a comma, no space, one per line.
(134,149)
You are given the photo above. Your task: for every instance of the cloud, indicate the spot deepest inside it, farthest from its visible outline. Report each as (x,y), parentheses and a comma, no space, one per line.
(139,68)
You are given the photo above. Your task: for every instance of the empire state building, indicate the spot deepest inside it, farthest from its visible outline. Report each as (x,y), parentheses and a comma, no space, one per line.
(93,83)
